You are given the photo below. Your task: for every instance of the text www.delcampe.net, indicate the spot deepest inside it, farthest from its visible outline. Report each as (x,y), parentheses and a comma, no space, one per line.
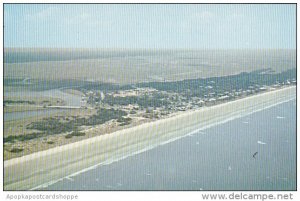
(247,196)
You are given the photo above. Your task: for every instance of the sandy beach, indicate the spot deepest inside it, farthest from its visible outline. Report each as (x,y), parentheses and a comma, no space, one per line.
(48,166)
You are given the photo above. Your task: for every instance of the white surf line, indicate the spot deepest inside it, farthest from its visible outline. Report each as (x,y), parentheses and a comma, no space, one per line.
(260,142)
(109,161)
(69,178)
(279,117)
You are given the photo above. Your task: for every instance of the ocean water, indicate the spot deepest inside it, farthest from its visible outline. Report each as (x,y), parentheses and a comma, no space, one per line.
(8,116)
(69,99)
(255,152)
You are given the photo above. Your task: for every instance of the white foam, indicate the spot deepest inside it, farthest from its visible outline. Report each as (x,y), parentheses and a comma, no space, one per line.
(45,185)
(69,178)
(229,168)
(279,117)
(260,142)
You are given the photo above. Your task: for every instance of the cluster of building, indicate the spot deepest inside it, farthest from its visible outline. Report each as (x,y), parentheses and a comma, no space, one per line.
(178,102)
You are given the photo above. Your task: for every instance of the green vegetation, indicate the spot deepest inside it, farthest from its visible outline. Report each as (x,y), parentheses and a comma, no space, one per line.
(75,133)
(151,115)
(145,101)
(51,126)
(57,125)
(5,102)
(124,121)
(187,89)
(68,136)
(104,115)
(10,138)
(132,112)
(13,138)
(200,87)
(16,150)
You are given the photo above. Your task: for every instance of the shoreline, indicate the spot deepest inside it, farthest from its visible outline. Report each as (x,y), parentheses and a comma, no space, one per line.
(32,170)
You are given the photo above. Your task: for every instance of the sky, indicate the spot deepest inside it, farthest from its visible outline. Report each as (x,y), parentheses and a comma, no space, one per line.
(196,26)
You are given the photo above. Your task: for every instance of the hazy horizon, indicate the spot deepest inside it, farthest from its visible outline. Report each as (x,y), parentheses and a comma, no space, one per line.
(154,26)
